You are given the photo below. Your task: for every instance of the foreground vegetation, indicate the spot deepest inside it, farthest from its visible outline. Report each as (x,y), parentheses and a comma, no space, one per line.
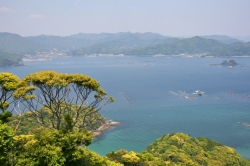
(56,130)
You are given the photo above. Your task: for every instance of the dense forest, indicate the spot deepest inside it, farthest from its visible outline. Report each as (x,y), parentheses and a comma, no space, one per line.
(51,124)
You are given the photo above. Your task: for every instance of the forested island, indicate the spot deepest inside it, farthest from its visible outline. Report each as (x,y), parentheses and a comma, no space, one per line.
(14,47)
(229,63)
(58,128)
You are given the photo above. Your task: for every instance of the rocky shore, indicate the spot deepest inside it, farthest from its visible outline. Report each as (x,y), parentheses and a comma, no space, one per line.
(107,125)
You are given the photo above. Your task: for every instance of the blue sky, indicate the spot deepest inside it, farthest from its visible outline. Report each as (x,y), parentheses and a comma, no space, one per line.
(166,17)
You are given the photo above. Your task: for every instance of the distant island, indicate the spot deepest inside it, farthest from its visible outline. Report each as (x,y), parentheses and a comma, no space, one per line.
(226,63)
(229,63)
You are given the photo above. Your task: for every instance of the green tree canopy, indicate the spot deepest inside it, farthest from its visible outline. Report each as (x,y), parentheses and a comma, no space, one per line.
(58,93)
(8,84)
(135,159)
(6,143)
(180,149)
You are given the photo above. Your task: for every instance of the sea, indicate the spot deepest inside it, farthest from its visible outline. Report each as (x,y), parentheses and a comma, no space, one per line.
(155,96)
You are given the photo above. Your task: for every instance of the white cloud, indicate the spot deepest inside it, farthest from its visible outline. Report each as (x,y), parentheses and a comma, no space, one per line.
(6,9)
(36,16)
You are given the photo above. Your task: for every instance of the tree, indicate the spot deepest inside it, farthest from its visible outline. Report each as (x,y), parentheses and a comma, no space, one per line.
(6,144)
(134,159)
(8,84)
(64,96)
(182,149)
(53,147)
(50,147)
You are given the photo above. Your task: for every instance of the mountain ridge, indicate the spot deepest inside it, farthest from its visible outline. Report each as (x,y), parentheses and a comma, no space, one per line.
(124,43)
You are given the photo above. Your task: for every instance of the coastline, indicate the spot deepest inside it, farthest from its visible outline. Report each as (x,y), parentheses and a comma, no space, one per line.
(107,125)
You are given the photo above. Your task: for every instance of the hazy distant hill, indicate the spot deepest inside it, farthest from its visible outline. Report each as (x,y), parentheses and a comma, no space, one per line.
(124,43)
(222,38)
(238,49)
(192,45)
(149,44)
(60,43)
(243,38)
(115,36)
(91,36)
(14,43)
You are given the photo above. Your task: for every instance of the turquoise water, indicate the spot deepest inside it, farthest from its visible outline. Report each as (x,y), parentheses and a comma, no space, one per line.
(161,91)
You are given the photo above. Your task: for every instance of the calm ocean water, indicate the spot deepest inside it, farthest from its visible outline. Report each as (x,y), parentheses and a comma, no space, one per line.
(161,91)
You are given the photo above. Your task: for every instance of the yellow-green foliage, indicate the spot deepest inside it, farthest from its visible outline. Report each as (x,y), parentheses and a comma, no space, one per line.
(54,79)
(50,147)
(6,142)
(29,123)
(181,149)
(8,83)
(55,148)
(91,158)
(58,94)
(135,159)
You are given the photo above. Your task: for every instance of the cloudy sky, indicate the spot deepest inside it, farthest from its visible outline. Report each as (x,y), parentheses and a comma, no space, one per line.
(166,17)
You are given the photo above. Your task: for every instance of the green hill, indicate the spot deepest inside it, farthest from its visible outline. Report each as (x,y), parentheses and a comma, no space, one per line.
(9,59)
(124,43)
(237,49)
(192,45)
(16,44)
(222,38)
(91,42)
(181,149)
(58,42)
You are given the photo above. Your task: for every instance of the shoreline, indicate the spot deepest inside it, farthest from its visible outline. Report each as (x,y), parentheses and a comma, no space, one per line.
(107,125)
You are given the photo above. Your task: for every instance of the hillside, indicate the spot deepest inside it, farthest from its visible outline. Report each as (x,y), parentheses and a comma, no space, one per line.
(192,45)
(223,46)
(179,149)
(182,149)
(124,43)
(59,43)
(237,49)
(9,59)
(222,38)
(16,44)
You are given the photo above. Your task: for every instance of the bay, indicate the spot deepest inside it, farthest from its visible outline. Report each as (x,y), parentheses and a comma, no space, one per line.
(161,91)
